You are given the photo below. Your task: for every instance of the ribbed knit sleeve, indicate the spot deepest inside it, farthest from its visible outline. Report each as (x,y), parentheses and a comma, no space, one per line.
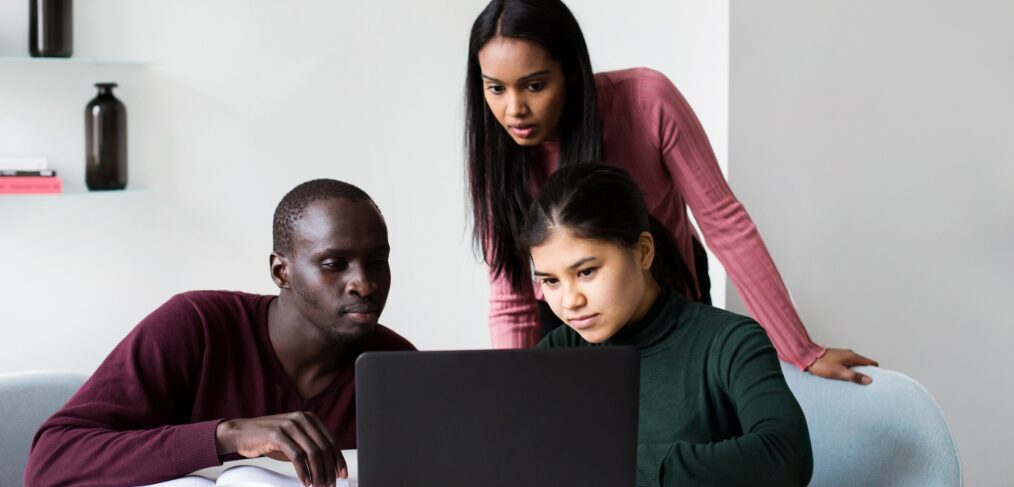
(728,230)
(774,448)
(513,316)
(119,428)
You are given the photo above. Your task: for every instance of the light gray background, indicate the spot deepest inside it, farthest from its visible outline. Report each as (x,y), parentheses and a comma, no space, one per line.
(238,102)
(870,141)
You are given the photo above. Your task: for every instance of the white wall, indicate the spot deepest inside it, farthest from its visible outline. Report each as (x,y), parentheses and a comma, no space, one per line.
(243,100)
(872,143)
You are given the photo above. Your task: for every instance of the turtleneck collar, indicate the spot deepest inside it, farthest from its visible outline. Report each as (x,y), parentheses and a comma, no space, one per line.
(660,320)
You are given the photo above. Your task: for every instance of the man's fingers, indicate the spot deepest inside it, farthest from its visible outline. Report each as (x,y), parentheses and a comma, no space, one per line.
(343,468)
(317,459)
(316,430)
(339,465)
(298,459)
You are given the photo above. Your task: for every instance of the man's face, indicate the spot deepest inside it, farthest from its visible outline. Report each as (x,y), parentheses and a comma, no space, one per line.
(338,270)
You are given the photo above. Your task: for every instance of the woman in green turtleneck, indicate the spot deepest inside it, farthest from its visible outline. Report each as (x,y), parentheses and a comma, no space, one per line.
(714,407)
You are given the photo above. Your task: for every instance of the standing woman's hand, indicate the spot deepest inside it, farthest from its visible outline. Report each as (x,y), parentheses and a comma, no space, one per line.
(836,363)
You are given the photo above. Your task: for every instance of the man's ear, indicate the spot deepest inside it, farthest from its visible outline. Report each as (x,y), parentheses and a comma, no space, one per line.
(646,250)
(279,270)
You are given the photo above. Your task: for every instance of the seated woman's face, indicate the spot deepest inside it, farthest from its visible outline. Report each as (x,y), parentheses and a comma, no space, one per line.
(595,287)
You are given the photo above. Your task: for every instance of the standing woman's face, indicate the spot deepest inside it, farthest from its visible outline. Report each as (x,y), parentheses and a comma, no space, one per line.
(524,88)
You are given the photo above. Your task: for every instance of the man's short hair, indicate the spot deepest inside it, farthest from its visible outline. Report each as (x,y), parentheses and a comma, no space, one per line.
(290,209)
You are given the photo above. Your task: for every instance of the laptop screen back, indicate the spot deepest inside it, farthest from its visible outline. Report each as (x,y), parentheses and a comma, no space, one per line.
(533,417)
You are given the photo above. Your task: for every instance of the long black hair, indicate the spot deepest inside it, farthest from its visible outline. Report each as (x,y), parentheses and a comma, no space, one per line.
(600,202)
(498,168)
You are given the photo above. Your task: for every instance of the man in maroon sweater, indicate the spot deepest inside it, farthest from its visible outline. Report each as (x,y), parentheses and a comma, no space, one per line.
(212,375)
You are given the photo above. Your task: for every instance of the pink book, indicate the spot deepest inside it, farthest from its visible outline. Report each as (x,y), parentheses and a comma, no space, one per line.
(30,184)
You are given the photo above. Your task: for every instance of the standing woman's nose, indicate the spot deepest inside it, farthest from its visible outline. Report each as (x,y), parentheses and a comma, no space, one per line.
(517,105)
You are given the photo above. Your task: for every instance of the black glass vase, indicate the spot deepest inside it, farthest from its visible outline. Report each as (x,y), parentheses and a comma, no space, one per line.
(105,140)
(51,28)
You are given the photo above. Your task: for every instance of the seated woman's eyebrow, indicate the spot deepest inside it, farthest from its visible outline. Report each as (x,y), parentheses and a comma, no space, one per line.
(575,265)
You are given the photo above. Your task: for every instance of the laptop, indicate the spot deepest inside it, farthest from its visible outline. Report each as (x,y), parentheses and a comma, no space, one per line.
(534,417)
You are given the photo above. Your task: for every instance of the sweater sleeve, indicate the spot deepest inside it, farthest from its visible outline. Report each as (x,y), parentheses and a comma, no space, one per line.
(774,449)
(125,426)
(513,316)
(728,230)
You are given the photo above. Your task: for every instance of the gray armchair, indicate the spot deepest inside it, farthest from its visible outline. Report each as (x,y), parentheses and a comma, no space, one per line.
(890,433)
(26,400)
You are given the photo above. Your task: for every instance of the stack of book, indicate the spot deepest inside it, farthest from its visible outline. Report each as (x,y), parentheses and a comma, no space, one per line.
(28,175)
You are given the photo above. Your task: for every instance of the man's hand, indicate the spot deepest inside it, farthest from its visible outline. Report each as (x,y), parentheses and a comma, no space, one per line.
(297,437)
(835,363)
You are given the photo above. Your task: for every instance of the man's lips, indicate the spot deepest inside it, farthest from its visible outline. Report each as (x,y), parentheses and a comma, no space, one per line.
(362,314)
(368,317)
(584,321)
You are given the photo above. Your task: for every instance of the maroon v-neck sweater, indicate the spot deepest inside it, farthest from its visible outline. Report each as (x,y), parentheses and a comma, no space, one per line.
(149,412)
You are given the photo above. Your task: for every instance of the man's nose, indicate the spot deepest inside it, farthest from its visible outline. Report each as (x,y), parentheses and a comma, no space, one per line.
(359,282)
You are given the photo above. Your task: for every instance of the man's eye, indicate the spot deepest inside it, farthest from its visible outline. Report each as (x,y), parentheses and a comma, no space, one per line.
(334,265)
(536,86)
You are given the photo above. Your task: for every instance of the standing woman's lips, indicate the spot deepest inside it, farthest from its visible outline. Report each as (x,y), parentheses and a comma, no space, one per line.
(582,322)
(521,130)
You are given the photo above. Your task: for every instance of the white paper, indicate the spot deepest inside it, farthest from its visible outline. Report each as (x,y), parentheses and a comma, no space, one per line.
(253,476)
(188,481)
(12,163)
(249,475)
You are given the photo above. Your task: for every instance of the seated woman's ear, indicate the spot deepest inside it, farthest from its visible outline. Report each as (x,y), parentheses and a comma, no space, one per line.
(646,250)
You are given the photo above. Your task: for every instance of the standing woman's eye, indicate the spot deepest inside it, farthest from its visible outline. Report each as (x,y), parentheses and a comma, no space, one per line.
(550,281)
(586,272)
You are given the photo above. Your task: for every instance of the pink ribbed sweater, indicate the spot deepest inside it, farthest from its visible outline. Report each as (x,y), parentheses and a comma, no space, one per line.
(649,129)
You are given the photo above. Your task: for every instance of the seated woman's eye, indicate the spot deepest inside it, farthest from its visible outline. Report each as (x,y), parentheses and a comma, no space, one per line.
(536,86)
(550,281)
(495,89)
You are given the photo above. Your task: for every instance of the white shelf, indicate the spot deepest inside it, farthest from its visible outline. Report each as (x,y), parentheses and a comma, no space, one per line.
(87,61)
(78,193)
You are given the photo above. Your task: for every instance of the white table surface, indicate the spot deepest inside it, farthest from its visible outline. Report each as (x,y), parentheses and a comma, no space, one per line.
(284,468)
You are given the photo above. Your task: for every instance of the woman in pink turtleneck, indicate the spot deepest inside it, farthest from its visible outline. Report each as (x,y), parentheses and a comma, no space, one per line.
(533,105)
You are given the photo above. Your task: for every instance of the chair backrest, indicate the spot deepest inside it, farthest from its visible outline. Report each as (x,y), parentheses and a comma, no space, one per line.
(26,400)
(890,433)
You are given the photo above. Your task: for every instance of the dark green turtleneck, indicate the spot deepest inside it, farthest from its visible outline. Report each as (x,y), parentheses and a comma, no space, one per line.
(714,406)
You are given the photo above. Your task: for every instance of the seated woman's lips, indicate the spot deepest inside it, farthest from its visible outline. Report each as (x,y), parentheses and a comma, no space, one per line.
(582,322)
